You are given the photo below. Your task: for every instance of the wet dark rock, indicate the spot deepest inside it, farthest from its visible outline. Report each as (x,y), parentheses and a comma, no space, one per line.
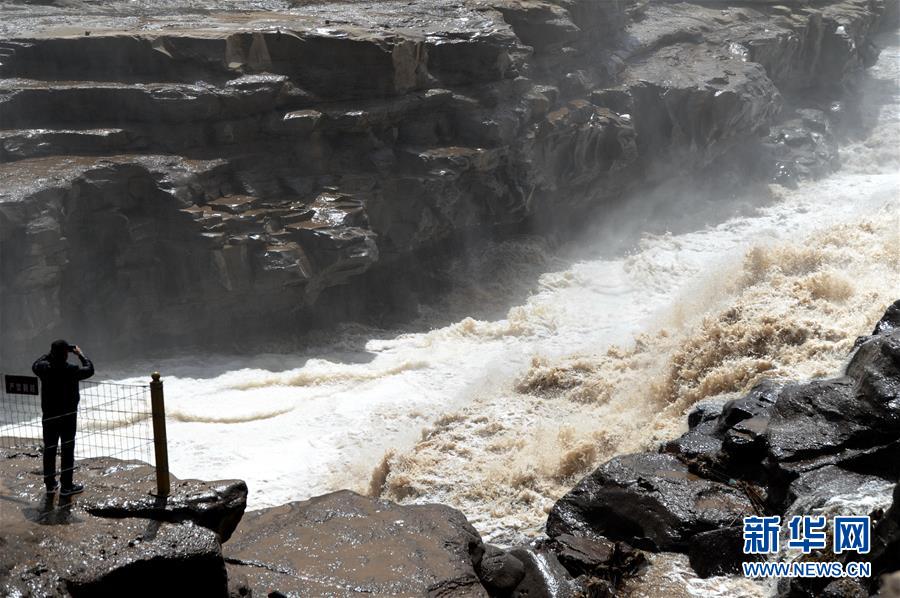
(743,424)
(821,588)
(890,321)
(812,489)
(342,540)
(885,553)
(120,489)
(795,430)
(882,460)
(876,369)
(844,588)
(584,555)
(755,405)
(649,500)
(61,547)
(778,432)
(597,558)
(830,420)
(885,544)
(595,587)
(124,490)
(733,439)
(705,411)
(110,557)
(783,449)
(801,148)
(719,552)
(699,444)
(500,572)
(544,576)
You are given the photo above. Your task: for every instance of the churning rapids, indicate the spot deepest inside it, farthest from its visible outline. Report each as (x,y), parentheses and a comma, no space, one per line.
(498,417)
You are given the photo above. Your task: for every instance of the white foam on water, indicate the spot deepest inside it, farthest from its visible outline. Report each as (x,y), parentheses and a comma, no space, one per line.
(636,341)
(671,575)
(298,425)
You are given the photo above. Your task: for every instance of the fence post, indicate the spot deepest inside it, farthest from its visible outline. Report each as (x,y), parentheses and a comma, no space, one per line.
(159,435)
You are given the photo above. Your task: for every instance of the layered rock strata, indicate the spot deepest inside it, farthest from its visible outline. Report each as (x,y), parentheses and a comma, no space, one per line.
(168,168)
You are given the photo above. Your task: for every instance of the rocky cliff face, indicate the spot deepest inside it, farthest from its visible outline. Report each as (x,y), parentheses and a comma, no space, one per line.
(168,168)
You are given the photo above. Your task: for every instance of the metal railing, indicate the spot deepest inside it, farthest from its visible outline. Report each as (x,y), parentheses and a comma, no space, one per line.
(125,421)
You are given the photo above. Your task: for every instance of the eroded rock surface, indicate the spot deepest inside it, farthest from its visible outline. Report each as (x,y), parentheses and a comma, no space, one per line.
(126,490)
(545,577)
(649,500)
(345,544)
(499,571)
(165,167)
(115,539)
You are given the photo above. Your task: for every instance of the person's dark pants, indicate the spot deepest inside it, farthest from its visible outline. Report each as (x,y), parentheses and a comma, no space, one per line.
(59,431)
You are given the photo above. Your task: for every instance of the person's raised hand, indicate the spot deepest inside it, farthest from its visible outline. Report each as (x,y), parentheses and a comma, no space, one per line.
(76,350)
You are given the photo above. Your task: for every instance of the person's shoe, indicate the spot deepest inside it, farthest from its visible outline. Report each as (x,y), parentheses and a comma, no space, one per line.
(70,490)
(53,489)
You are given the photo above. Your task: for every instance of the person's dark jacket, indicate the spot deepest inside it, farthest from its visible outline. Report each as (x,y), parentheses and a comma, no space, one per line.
(59,383)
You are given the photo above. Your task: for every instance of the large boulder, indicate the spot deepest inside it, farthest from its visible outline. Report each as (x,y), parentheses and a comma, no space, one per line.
(778,431)
(884,555)
(127,490)
(844,588)
(115,539)
(787,449)
(852,421)
(120,489)
(346,544)
(818,418)
(74,554)
(700,443)
(802,147)
(648,500)
(876,369)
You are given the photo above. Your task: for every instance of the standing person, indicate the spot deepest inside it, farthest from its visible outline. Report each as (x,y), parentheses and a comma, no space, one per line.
(59,404)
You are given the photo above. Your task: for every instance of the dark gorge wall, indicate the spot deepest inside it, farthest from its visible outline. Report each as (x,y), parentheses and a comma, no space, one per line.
(200,174)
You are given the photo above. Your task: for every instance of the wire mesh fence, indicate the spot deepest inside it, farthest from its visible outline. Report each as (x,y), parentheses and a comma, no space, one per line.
(112,420)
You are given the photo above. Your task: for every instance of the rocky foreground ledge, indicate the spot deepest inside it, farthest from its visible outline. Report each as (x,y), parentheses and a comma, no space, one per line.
(166,166)
(116,539)
(784,448)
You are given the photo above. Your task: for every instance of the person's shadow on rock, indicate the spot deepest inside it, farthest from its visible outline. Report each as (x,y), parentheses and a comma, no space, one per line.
(44,513)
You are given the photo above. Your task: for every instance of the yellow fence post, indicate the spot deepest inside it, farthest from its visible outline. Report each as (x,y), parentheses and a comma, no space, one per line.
(159,435)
